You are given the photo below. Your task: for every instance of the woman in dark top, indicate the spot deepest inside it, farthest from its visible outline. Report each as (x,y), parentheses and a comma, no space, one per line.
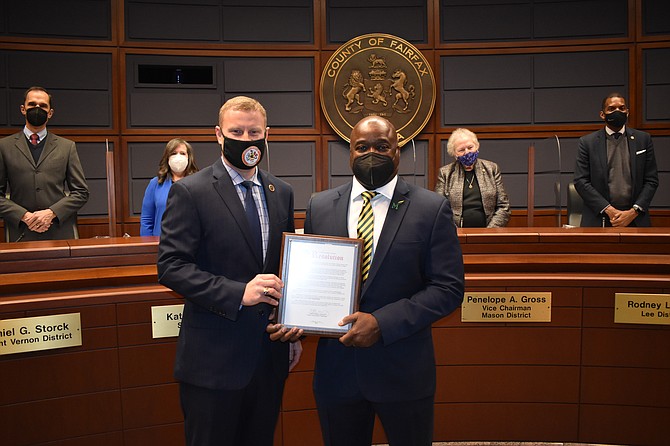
(472,185)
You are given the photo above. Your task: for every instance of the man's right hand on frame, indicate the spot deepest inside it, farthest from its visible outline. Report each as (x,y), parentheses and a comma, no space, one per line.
(264,288)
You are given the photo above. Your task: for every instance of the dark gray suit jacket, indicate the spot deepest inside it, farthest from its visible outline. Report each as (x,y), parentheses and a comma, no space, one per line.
(205,255)
(416,278)
(36,186)
(591,174)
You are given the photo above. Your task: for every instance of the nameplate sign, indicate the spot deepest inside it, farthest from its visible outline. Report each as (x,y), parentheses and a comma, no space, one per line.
(32,334)
(166,320)
(506,307)
(631,308)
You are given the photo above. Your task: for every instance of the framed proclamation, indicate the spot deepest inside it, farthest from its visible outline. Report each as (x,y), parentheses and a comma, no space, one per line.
(321,276)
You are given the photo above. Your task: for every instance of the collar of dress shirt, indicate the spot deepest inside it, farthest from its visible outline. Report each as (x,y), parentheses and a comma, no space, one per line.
(41,134)
(611,132)
(386,190)
(236,177)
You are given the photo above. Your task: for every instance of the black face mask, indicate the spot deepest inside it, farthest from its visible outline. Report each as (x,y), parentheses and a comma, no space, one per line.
(616,119)
(373,170)
(244,155)
(36,116)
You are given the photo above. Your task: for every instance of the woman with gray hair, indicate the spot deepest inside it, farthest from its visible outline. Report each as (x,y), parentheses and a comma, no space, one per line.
(472,185)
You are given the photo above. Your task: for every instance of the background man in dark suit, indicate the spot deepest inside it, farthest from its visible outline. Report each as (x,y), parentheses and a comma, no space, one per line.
(615,172)
(224,263)
(385,363)
(37,166)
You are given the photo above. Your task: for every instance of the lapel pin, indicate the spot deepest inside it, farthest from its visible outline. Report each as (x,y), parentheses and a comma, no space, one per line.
(397,205)
(271,187)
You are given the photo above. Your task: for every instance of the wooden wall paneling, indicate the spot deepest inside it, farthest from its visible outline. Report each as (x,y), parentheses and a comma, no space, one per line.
(147,365)
(298,392)
(625,347)
(164,435)
(622,425)
(69,373)
(625,386)
(301,428)
(104,439)
(61,418)
(495,382)
(636,28)
(299,420)
(512,344)
(507,383)
(151,406)
(532,422)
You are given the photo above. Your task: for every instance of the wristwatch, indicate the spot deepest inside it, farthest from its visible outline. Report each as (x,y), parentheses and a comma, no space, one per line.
(638,209)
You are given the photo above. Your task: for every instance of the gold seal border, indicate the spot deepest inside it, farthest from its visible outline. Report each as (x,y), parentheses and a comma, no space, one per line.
(379,37)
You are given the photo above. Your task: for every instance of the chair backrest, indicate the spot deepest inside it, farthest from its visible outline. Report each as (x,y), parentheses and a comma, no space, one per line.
(575,205)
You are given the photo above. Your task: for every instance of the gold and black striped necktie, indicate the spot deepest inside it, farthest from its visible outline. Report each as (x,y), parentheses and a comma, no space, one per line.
(366,230)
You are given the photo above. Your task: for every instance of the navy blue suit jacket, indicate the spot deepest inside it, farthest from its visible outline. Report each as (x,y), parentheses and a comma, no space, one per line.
(416,278)
(591,174)
(205,255)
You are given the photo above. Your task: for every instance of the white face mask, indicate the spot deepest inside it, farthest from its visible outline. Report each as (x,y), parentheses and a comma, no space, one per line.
(178,162)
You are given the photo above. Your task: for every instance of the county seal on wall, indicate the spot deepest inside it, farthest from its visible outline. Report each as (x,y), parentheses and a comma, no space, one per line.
(378,74)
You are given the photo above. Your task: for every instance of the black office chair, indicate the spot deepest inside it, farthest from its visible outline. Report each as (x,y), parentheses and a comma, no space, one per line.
(575,205)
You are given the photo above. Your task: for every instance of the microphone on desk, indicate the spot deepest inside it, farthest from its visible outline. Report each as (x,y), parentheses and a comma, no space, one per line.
(20,237)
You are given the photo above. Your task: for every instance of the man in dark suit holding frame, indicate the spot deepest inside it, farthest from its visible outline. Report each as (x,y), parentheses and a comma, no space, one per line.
(220,247)
(385,364)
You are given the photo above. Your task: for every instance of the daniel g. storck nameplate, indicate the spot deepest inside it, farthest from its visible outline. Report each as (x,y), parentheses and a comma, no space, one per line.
(31,334)
(382,75)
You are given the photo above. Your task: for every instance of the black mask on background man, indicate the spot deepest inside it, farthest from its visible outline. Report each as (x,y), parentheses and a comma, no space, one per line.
(373,170)
(616,119)
(244,155)
(36,116)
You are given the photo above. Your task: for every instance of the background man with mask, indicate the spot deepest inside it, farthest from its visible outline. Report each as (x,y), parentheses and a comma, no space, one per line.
(385,363)
(35,167)
(220,247)
(615,172)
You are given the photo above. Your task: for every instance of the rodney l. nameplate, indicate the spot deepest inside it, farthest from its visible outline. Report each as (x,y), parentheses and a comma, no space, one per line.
(378,74)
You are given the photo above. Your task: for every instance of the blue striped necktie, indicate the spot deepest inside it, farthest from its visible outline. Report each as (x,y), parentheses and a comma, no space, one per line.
(252,217)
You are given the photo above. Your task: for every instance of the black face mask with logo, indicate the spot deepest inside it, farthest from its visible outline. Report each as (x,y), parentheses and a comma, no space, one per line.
(373,170)
(36,116)
(244,155)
